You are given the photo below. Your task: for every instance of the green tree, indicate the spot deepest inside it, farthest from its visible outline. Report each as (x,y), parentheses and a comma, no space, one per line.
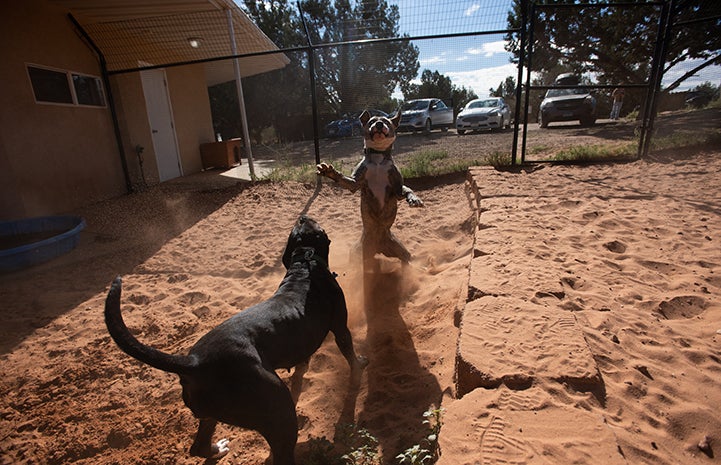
(461,96)
(433,84)
(225,110)
(352,77)
(272,98)
(505,89)
(348,77)
(694,41)
(280,98)
(615,43)
(703,94)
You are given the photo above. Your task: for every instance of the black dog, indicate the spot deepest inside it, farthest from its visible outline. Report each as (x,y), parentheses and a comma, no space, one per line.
(229,375)
(381,186)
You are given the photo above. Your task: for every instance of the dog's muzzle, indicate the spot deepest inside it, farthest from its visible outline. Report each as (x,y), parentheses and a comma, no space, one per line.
(378,128)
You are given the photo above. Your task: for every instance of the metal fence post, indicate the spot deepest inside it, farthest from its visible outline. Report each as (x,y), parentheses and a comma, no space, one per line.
(528,79)
(519,92)
(313,95)
(670,14)
(241,98)
(663,38)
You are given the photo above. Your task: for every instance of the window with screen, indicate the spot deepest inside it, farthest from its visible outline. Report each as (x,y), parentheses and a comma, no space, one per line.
(65,87)
(50,86)
(88,90)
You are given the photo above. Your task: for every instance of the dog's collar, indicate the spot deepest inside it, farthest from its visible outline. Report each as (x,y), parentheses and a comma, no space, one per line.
(310,255)
(386,153)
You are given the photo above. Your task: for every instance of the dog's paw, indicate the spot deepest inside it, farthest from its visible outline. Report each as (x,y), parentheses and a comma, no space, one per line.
(414,201)
(325,169)
(220,449)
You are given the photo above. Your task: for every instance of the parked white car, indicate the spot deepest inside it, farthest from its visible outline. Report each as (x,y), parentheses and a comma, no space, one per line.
(425,114)
(486,113)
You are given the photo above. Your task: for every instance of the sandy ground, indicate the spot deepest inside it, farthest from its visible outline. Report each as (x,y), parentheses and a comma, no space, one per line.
(636,244)
(70,395)
(594,316)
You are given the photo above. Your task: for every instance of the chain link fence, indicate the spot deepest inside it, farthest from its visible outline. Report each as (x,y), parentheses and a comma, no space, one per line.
(586,80)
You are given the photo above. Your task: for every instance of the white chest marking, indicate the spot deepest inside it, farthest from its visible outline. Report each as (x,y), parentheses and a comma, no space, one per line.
(377,176)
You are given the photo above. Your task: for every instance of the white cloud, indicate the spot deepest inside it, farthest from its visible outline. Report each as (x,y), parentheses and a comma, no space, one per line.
(498,46)
(481,80)
(434,60)
(472,9)
(488,49)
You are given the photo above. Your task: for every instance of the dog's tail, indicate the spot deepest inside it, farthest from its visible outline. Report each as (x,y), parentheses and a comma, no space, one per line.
(180,364)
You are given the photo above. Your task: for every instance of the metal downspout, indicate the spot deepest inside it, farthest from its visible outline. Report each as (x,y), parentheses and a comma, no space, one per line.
(111,101)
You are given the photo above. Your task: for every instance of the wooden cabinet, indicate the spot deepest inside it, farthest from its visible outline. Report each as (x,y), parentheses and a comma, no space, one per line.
(221,154)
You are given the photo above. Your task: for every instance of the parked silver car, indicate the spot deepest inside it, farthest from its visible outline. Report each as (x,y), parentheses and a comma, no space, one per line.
(425,114)
(487,113)
(573,104)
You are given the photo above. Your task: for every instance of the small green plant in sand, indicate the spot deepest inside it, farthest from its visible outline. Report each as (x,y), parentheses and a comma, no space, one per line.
(438,162)
(536,149)
(362,447)
(611,152)
(428,451)
(321,452)
(300,173)
(362,444)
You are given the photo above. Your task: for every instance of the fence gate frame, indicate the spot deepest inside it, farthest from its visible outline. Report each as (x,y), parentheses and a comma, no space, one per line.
(652,84)
(667,15)
(669,10)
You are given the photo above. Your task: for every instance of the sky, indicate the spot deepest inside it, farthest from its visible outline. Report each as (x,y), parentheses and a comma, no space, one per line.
(481,62)
(477,62)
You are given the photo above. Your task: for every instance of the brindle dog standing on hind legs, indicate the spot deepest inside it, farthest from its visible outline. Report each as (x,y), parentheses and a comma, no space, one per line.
(381,186)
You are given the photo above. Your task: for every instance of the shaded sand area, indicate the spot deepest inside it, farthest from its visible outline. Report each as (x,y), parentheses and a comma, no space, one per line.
(588,301)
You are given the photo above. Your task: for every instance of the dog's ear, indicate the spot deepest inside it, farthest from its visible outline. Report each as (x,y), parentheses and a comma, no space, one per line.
(288,252)
(364,117)
(396,119)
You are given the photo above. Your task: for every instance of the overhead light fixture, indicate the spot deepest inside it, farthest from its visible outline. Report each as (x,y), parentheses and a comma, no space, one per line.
(194,41)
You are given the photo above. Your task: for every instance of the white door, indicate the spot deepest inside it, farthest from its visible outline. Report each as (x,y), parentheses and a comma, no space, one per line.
(160,116)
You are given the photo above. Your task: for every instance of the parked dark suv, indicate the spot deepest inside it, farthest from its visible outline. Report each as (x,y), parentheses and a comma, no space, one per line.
(576,104)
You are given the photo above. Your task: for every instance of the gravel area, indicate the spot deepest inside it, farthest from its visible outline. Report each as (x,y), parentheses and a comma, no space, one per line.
(541,144)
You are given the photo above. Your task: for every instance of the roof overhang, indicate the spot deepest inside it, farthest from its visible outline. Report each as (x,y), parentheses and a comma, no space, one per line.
(136,34)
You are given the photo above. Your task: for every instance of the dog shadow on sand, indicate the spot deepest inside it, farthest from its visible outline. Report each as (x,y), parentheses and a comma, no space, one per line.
(399,388)
(396,389)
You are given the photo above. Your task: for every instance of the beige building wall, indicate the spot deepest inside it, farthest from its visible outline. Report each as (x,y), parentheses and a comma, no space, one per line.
(189,100)
(191,107)
(53,158)
(134,127)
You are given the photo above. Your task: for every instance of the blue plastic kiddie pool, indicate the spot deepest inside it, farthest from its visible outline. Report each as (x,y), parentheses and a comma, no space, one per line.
(30,241)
